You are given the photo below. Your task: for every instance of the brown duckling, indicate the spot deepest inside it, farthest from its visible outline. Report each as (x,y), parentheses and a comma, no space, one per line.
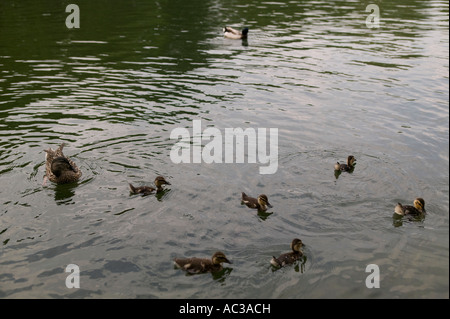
(346,167)
(417,209)
(196,265)
(59,168)
(261,203)
(146,190)
(291,257)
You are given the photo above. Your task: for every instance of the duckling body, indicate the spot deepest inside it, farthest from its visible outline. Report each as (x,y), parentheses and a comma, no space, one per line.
(59,168)
(146,190)
(231,33)
(291,257)
(202,265)
(346,167)
(260,203)
(417,208)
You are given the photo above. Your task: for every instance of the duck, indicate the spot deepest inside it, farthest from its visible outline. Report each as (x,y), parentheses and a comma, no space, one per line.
(291,257)
(196,265)
(346,167)
(146,190)
(231,33)
(261,203)
(417,208)
(59,168)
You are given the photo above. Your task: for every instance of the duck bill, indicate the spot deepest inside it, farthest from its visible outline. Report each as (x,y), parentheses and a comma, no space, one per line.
(269,205)
(228,261)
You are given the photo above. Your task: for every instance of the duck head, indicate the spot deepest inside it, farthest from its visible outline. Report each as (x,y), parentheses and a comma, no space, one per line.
(419,204)
(219,257)
(263,201)
(159,181)
(351,160)
(296,245)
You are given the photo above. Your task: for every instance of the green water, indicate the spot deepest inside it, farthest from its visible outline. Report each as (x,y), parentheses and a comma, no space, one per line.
(114,89)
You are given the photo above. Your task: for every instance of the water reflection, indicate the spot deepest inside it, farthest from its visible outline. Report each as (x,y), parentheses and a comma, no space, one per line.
(219,276)
(64,193)
(222,275)
(398,220)
(299,265)
(337,173)
(162,194)
(263,215)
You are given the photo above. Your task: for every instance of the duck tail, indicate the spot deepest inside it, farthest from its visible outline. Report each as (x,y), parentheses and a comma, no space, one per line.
(132,188)
(244,195)
(49,152)
(275,262)
(399,209)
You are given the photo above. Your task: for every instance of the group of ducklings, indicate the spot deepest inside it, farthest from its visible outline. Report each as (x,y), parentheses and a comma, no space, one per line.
(201,265)
(61,169)
(418,207)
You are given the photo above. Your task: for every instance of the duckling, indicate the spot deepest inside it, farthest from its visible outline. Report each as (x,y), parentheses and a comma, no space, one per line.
(201,265)
(231,33)
(417,209)
(146,190)
(59,168)
(346,167)
(261,203)
(289,258)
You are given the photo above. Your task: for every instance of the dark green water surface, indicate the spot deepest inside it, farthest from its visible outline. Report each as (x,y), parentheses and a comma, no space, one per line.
(114,89)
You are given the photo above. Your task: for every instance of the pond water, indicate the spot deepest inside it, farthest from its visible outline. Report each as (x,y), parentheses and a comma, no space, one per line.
(115,89)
